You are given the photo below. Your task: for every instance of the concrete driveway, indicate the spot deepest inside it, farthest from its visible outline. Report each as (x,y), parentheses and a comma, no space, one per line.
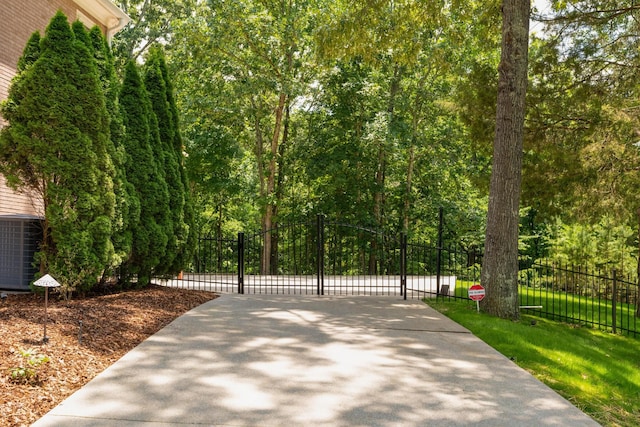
(279,360)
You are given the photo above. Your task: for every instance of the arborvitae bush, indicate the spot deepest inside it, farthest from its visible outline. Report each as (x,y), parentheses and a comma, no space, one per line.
(185,230)
(149,234)
(157,89)
(127,212)
(56,146)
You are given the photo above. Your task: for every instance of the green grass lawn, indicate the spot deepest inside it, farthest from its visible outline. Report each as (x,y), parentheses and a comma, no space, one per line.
(582,309)
(596,312)
(599,372)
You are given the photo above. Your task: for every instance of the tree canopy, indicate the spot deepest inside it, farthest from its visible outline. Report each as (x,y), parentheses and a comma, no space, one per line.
(381,112)
(376,113)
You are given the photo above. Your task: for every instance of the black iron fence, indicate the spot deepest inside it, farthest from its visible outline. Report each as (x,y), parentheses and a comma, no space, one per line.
(321,257)
(599,298)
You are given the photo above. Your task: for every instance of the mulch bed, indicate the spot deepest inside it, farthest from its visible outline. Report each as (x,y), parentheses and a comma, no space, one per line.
(85,337)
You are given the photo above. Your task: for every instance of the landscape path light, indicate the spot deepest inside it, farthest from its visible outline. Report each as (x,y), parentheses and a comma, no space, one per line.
(46,282)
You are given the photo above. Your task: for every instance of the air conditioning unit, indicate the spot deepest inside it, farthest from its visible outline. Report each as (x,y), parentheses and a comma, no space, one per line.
(19,241)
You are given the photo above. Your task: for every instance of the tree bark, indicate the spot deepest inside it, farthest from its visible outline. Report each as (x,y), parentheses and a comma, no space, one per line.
(279,189)
(500,267)
(259,149)
(269,212)
(638,271)
(408,184)
(380,175)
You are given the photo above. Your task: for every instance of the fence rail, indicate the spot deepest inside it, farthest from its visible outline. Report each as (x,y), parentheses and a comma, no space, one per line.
(321,256)
(337,257)
(598,298)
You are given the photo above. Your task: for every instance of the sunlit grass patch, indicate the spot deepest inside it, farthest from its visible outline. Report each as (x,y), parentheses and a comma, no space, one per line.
(597,371)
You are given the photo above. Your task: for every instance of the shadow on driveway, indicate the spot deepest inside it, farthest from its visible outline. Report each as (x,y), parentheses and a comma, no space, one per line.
(314,361)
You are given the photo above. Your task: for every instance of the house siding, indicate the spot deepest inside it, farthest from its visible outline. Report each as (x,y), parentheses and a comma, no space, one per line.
(20,19)
(6,74)
(18,204)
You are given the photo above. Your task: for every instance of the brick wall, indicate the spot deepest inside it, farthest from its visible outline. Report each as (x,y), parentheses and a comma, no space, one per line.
(19,19)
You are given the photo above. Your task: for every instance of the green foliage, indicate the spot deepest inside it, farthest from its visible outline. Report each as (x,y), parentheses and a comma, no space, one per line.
(30,53)
(152,22)
(185,231)
(127,208)
(110,174)
(340,149)
(388,114)
(580,155)
(29,369)
(56,145)
(142,167)
(606,244)
(376,139)
(166,157)
(157,84)
(396,121)
(228,93)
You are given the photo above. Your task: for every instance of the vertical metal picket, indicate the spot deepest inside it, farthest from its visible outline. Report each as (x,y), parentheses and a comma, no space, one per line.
(614,300)
(439,250)
(241,263)
(403,265)
(320,254)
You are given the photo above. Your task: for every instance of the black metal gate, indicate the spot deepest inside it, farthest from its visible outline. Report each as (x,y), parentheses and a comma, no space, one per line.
(319,257)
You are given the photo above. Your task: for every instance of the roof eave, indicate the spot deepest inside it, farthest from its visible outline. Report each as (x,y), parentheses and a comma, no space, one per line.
(107,13)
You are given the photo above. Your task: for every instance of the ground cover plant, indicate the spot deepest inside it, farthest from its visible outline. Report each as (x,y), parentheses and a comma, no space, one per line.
(35,377)
(597,371)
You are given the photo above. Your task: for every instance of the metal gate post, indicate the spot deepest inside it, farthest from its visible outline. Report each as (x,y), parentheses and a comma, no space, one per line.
(241,263)
(320,254)
(614,301)
(439,254)
(198,257)
(403,265)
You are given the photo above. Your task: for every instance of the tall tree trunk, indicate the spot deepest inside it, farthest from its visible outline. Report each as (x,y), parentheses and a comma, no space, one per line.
(417,106)
(500,266)
(259,153)
(407,196)
(259,149)
(638,271)
(379,195)
(378,201)
(272,170)
(279,190)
